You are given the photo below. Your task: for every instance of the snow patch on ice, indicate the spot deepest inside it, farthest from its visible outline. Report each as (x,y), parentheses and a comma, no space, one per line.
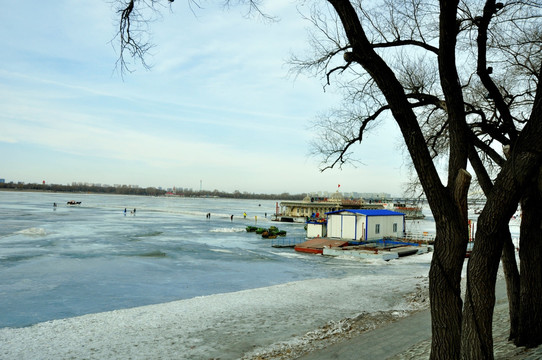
(33,232)
(227,230)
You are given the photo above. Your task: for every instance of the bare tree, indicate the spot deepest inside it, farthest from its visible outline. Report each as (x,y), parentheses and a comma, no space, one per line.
(461,115)
(135,17)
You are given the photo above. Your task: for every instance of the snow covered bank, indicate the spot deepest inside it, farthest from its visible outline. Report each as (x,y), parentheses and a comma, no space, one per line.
(225,326)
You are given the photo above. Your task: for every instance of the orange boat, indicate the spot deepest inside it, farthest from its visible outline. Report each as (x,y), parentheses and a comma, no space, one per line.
(316,245)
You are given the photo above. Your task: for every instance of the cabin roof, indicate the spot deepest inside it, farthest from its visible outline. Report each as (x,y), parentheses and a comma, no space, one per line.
(368,212)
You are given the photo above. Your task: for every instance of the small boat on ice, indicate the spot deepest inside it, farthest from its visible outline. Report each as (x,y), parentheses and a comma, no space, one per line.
(317,245)
(384,249)
(270,233)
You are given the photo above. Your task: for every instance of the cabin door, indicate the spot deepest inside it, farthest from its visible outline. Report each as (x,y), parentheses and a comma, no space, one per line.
(349,227)
(361,232)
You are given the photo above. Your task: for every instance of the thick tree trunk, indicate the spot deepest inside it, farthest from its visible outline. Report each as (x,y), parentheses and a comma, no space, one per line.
(445,273)
(445,292)
(524,165)
(511,274)
(477,335)
(477,327)
(530,252)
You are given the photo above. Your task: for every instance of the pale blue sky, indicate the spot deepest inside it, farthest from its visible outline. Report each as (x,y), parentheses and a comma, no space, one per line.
(217,105)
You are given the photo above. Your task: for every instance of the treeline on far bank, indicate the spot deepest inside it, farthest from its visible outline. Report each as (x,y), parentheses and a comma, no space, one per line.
(149,191)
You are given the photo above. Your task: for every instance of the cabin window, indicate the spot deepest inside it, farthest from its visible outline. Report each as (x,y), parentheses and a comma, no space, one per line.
(377,229)
(395,227)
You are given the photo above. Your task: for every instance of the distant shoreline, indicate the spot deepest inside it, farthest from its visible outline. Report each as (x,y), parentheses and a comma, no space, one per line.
(150,191)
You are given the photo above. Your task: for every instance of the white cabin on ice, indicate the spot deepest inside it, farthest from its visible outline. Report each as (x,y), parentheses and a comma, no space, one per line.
(365,224)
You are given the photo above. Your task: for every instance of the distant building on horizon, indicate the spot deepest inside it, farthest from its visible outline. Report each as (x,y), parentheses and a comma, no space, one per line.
(356,195)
